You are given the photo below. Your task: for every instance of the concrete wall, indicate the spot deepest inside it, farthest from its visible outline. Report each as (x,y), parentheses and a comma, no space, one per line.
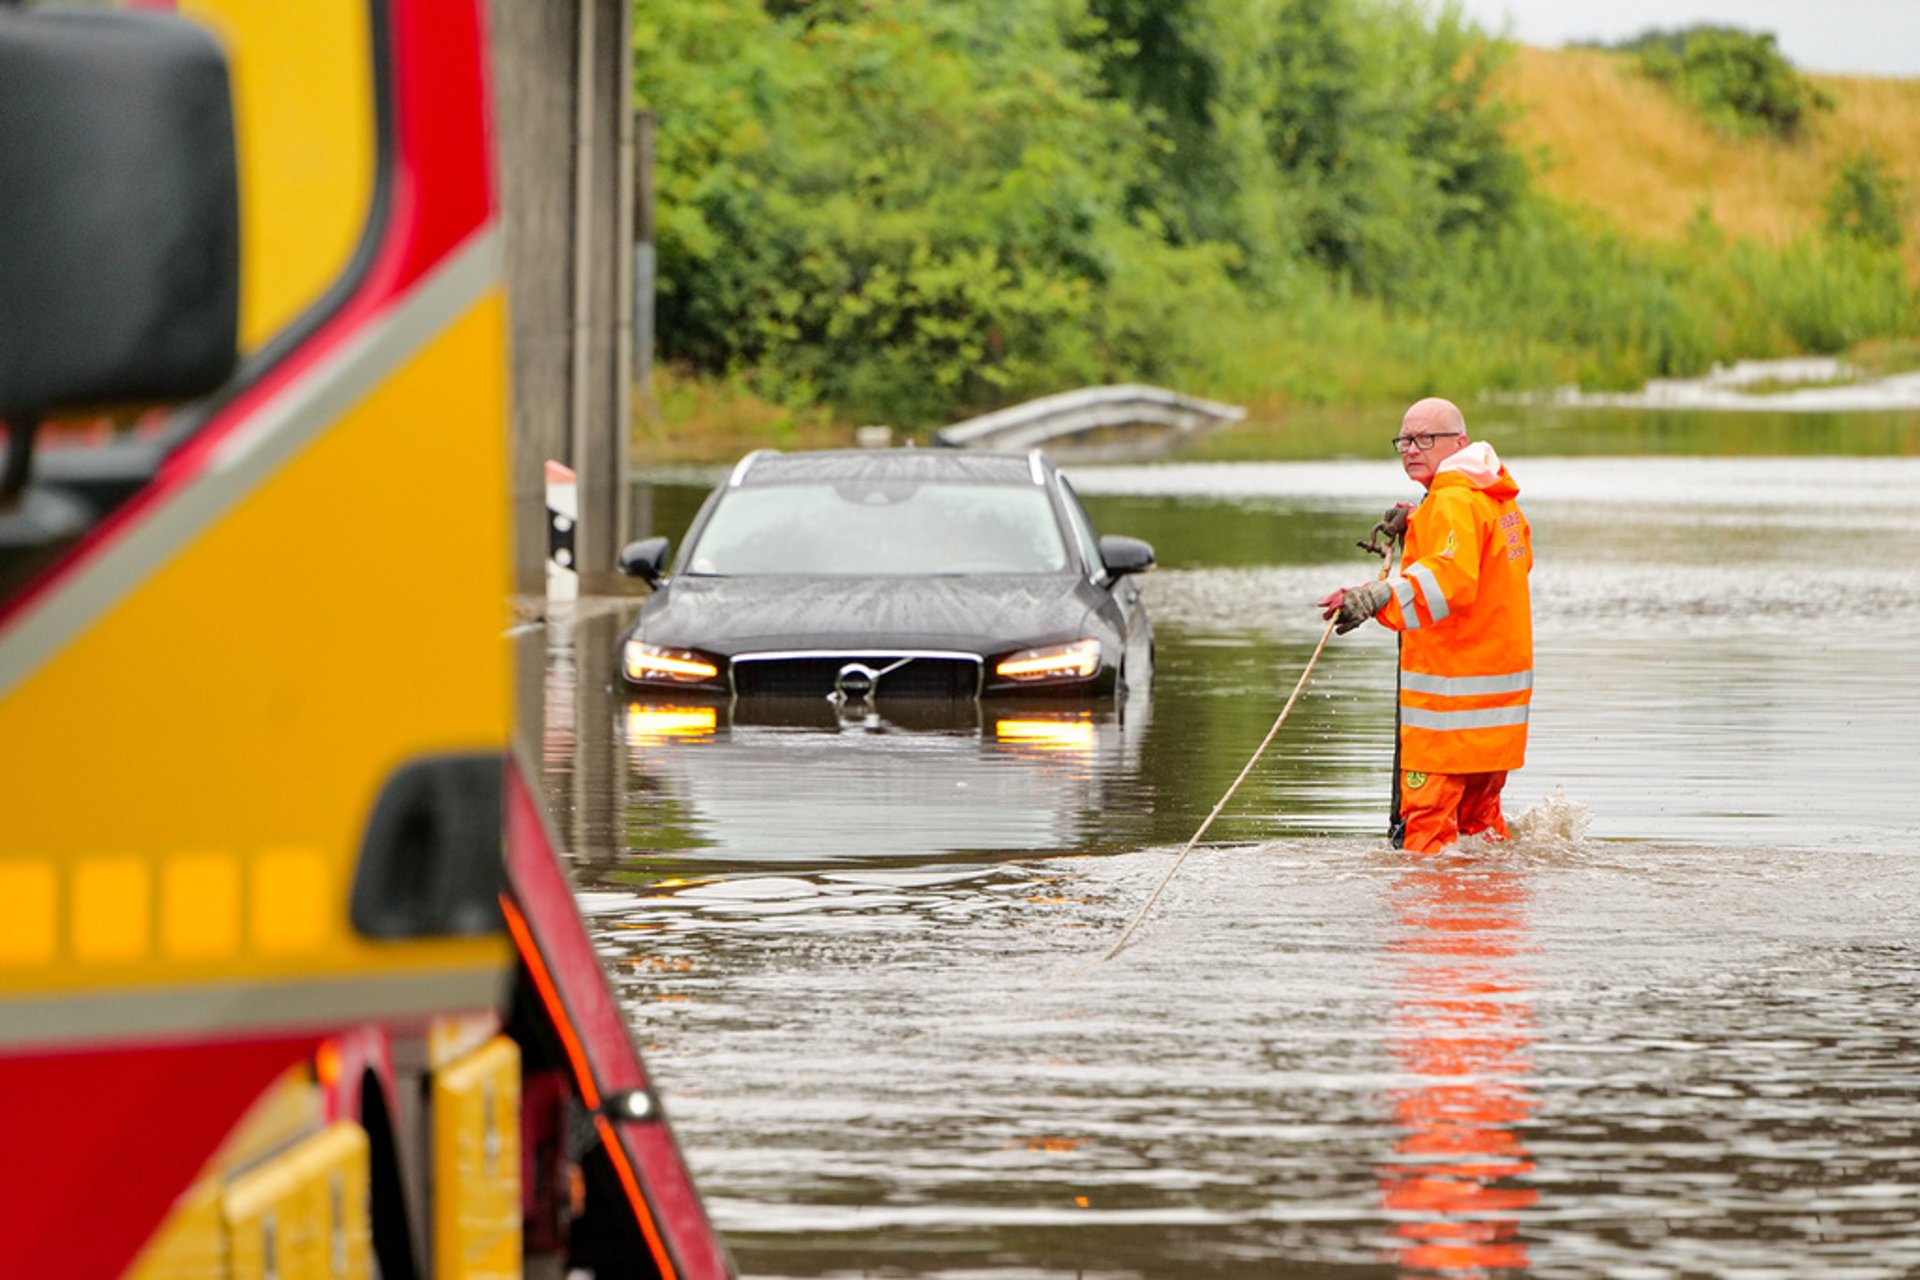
(568,327)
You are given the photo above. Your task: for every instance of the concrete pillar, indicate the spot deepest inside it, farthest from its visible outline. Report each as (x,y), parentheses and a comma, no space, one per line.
(565,182)
(604,308)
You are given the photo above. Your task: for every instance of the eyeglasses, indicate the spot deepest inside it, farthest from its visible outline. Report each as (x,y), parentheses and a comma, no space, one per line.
(1421,440)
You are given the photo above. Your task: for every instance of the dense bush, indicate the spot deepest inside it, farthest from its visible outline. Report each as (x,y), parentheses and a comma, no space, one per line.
(1867,203)
(1738,79)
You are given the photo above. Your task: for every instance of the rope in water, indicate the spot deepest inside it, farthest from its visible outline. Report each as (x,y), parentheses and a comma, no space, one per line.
(1385,569)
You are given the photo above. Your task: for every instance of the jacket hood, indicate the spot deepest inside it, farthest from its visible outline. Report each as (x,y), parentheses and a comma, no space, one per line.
(1479,467)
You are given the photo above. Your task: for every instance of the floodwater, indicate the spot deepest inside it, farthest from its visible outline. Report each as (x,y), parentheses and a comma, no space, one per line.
(1672,1029)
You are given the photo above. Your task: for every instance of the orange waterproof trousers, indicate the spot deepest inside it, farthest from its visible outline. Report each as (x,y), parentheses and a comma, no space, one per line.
(1439,808)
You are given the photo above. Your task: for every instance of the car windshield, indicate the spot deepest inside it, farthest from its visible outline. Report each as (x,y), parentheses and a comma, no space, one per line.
(880,528)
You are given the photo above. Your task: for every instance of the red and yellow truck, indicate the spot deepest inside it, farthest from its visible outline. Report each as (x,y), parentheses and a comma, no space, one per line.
(291,980)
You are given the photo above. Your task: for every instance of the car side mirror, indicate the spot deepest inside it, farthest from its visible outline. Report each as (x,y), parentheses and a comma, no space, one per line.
(645,559)
(1123,555)
(120,230)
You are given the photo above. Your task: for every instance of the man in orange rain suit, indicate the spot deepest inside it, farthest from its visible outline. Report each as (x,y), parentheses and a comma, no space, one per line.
(1461,605)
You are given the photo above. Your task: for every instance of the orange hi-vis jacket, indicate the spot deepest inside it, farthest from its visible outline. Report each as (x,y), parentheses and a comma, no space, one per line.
(1461,605)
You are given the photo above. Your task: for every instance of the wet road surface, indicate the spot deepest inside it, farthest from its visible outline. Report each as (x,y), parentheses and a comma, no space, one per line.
(1669,1031)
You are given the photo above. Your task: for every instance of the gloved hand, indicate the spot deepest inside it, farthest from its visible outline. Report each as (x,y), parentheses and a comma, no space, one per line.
(1390,529)
(1354,605)
(1394,523)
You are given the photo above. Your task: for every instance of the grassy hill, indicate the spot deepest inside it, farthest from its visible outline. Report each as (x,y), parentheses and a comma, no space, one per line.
(1604,138)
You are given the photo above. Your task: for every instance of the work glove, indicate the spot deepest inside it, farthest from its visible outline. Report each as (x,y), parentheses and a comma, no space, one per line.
(1394,523)
(1391,529)
(1354,605)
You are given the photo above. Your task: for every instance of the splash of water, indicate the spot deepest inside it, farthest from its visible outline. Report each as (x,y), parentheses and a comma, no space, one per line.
(1554,825)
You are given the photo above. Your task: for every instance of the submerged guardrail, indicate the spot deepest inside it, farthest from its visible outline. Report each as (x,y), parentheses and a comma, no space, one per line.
(1078,415)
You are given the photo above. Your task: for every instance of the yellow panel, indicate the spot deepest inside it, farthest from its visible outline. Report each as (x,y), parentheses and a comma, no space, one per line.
(112,909)
(302,1215)
(29,913)
(200,905)
(452,1038)
(344,617)
(191,1244)
(289,1108)
(303,112)
(476,1164)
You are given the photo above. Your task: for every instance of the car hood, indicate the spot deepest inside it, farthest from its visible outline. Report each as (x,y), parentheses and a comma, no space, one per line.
(728,616)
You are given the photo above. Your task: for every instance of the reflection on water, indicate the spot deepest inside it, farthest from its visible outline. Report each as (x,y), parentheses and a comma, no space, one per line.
(1668,1032)
(1315,1060)
(809,781)
(651,725)
(1461,1029)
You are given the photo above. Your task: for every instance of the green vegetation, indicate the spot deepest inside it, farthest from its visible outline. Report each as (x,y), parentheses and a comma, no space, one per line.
(906,209)
(1738,79)
(1867,203)
(1846,377)
(913,211)
(1880,359)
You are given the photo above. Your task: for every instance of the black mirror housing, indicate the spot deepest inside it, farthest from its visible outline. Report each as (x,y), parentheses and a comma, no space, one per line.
(1123,555)
(645,559)
(120,226)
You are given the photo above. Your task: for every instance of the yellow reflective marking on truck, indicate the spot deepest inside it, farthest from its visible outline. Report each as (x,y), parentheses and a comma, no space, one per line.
(114,903)
(29,912)
(112,909)
(290,902)
(200,906)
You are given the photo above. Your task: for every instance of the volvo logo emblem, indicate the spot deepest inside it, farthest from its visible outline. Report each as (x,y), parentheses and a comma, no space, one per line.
(856,680)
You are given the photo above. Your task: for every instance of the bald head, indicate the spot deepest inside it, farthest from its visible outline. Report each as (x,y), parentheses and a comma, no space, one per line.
(1435,414)
(1432,431)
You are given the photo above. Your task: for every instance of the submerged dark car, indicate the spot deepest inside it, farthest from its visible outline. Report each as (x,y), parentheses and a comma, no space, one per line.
(889,574)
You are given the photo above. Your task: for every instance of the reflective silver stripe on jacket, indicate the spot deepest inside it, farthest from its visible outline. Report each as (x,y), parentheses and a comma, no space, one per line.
(1485,718)
(1403,594)
(1436,599)
(1466,686)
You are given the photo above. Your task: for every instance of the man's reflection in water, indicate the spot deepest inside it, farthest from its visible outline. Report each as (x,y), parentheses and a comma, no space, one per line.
(1461,1028)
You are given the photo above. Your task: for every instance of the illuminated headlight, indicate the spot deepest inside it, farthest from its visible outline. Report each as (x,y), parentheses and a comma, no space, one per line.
(1074,661)
(650,662)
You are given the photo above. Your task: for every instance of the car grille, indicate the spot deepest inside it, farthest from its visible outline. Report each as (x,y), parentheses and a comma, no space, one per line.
(813,676)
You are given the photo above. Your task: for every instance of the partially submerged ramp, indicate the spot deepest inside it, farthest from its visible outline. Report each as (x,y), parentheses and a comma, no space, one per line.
(1126,420)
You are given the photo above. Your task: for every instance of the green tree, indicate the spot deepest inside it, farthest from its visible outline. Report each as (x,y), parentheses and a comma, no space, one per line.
(909,211)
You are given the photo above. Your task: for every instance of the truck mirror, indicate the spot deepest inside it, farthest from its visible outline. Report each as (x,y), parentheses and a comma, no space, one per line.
(120,225)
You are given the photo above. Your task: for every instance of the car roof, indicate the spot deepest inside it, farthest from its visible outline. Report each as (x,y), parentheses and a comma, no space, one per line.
(945,466)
